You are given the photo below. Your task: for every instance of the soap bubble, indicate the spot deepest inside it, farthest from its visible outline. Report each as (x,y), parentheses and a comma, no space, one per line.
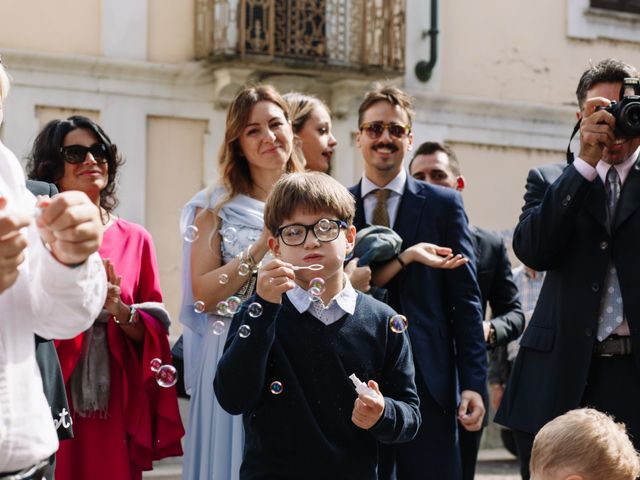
(276,387)
(222,308)
(218,327)
(398,323)
(244,270)
(316,287)
(223,279)
(229,235)
(233,304)
(199,306)
(155,364)
(244,331)
(191,234)
(255,310)
(324,225)
(167,376)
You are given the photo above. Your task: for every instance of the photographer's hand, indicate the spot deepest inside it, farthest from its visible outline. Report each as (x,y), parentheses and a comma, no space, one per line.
(596,130)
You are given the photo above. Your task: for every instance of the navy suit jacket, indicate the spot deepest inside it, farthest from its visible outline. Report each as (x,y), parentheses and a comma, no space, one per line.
(442,306)
(563,229)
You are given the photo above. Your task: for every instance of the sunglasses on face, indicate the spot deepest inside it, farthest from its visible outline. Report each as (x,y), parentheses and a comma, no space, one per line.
(77,153)
(374,130)
(296,234)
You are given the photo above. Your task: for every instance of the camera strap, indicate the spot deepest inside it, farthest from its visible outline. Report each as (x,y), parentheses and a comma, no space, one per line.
(570,155)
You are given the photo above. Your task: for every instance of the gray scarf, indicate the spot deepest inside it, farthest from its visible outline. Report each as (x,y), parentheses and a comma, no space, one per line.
(90,380)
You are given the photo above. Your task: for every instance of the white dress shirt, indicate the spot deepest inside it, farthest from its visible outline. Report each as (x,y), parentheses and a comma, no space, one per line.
(601,169)
(344,302)
(51,300)
(367,191)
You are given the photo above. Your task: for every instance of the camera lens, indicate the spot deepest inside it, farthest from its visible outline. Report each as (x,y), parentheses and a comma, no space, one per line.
(629,119)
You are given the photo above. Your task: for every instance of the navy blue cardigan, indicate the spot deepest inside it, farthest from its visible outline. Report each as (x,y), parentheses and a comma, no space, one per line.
(306,430)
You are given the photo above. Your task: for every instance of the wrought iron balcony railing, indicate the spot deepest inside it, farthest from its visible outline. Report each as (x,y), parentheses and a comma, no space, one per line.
(355,35)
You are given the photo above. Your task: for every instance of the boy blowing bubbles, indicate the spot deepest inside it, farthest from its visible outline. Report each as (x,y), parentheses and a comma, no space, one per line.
(308,428)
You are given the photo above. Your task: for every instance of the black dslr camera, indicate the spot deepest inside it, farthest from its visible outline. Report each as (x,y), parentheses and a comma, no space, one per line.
(626,111)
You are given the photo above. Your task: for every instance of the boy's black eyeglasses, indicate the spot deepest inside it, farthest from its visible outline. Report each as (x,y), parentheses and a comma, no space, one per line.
(77,153)
(374,130)
(325,230)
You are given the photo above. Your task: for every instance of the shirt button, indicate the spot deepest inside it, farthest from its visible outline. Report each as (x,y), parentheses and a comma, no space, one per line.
(603,245)
(566,200)
(595,287)
(588,332)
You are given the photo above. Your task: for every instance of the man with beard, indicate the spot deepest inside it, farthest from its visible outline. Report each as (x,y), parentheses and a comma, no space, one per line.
(442,305)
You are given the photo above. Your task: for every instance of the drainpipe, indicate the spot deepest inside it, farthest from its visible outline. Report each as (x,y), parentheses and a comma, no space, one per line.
(425,69)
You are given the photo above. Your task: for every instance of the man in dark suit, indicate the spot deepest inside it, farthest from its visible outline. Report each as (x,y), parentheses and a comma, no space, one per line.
(437,164)
(47,358)
(442,306)
(581,223)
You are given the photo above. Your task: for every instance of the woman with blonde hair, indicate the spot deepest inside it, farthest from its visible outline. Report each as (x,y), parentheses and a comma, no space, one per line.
(225,241)
(311,121)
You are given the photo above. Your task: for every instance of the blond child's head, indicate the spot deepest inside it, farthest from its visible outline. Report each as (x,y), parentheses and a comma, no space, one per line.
(583,444)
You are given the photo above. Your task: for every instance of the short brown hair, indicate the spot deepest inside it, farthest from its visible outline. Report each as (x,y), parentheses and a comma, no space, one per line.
(309,192)
(387,93)
(606,71)
(588,442)
(428,148)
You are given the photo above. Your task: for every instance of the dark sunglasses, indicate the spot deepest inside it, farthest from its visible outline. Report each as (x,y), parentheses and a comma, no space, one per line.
(375,130)
(77,153)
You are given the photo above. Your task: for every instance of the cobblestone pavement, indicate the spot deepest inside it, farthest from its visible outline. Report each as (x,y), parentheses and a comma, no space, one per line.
(497,465)
(497,470)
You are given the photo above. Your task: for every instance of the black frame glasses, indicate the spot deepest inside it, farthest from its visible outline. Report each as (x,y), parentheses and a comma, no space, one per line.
(374,130)
(75,154)
(324,229)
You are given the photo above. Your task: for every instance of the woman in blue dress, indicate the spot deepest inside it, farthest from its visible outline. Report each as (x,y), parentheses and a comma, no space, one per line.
(224,244)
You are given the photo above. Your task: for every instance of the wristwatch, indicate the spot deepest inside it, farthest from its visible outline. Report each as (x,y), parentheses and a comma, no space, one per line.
(132,317)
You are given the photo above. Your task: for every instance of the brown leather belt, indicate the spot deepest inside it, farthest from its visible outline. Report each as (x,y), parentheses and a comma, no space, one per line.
(613,345)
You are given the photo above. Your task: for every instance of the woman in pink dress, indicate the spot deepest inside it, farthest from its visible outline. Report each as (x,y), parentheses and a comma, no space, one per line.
(125,414)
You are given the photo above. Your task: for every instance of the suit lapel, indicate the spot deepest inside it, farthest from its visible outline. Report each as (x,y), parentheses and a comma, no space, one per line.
(596,204)
(359,220)
(409,210)
(629,200)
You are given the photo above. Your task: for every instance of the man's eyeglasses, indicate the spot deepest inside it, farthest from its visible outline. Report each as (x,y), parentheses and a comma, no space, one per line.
(325,230)
(77,153)
(374,130)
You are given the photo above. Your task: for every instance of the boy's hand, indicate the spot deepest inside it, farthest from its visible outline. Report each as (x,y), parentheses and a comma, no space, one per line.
(12,244)
(70,224)
(360,277)
(275,278)
(367,410)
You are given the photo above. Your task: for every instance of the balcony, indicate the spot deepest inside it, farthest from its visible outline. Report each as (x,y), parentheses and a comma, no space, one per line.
(362,37)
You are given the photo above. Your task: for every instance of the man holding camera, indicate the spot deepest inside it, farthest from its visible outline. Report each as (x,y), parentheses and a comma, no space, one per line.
(581,223)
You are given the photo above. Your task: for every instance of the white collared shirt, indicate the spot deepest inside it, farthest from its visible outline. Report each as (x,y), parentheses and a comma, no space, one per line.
(51,300)
(397,185)
(601,169)
(344,302)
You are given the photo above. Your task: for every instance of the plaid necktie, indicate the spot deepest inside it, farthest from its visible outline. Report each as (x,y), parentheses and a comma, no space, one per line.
(380,213)
(611,311)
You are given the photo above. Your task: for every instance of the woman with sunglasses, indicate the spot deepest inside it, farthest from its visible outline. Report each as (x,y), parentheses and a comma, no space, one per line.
(225,241)
(123,419)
